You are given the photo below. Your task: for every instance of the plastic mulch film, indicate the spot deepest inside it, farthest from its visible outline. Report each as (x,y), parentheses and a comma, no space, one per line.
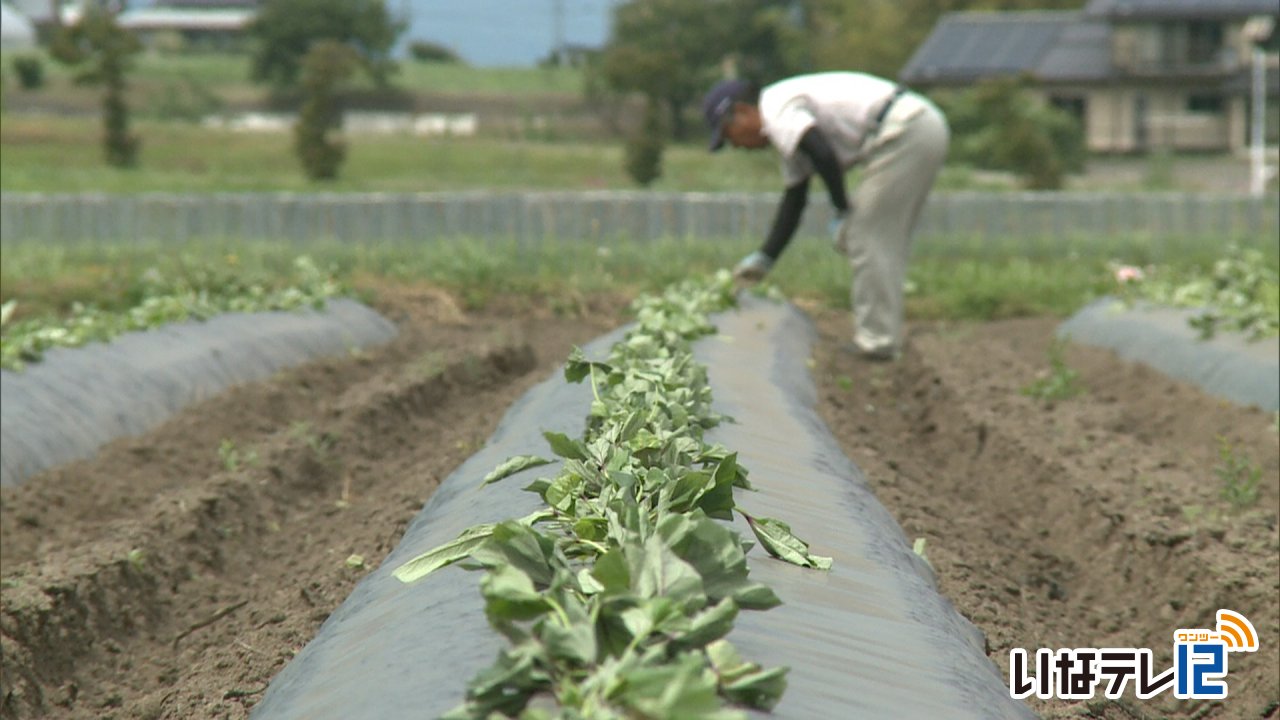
(75,400)
(1226,365)
(871,638)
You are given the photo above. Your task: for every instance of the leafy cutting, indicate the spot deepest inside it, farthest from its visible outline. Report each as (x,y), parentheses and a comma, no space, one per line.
(616,598)
(199,296)
(1240,293)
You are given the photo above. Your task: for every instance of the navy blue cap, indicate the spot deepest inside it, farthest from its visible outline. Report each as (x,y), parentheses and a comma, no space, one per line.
(719,103)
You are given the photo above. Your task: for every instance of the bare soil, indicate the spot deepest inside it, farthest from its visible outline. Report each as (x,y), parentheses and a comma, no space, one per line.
(1095,521)
(174,574)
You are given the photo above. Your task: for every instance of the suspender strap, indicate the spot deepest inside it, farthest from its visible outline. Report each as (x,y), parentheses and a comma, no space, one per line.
(898,91)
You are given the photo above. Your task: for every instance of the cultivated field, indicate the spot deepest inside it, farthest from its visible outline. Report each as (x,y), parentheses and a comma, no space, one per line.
(175,573)
(1064,497)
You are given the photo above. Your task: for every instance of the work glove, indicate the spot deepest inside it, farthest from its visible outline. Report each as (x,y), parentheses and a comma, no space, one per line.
(836,230)
(753,268)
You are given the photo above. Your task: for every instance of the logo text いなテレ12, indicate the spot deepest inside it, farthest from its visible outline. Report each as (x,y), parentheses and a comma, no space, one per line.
(1199,669)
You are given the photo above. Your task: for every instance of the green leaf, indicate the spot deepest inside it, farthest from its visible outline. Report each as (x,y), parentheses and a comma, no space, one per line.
(588,584)
(510,595)
(566,447)
(687,490)
(744,682)
(760,689)
(447,554)
(514,465)
(709,625)
(538,486)
(576,643)
(562,492)
(725,660)
(591,528)
(630,426)
(659,572)
(520,546)
(679,691)
(611,571)
(624,480)
(638,621)
(717,501)
(505,686)
(756,596)
(776,538)
(578,367)
(716,554)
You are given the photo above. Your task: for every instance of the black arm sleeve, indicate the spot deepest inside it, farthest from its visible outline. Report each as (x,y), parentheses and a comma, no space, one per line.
(815,146)
(787,219)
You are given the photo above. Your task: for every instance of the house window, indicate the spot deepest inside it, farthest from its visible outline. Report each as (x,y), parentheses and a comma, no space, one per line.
(1206,103)
(1204,42)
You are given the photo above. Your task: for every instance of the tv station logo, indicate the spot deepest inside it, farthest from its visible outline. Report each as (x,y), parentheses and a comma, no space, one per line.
(1199,669)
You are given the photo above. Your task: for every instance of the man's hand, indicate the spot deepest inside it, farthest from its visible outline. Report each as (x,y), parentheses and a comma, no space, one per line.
(836,230)
(752,268)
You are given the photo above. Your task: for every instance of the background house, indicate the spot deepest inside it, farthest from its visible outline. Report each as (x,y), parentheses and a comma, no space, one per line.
(1138,74)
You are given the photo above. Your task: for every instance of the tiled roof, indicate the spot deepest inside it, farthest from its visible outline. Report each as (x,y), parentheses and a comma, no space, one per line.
(970,45)
(1120,9)
(1082,52)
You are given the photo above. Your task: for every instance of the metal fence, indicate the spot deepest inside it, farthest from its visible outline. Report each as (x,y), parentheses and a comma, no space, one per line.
(531,217)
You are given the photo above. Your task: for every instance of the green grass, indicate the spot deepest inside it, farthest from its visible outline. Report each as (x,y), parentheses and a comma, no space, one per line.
(53,154)
(1239,476)
(227,75)
(48,280)
(461,79)
(63,154)
(1059,382)
(948,280)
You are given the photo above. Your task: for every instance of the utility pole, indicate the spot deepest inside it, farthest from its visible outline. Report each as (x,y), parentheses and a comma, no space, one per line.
(1256,31)
(558,31)
(1258,148)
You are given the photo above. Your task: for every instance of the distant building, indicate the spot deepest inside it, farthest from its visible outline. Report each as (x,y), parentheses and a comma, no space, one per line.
(1138,74)
(206,24)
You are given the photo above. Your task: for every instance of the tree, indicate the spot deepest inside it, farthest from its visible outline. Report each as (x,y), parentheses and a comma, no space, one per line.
(670,51)
(431,52)
(104,51)
(327,64)
(769,39)
(284,31)
(645,146)
(665,50)
(998,125)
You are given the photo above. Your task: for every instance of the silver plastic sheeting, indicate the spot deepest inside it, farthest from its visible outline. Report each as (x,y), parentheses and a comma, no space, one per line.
(872,638)
(1226,365)
(407,651)
(75,400)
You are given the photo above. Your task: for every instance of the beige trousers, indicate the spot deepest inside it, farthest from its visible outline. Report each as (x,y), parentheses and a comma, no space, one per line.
(902,161)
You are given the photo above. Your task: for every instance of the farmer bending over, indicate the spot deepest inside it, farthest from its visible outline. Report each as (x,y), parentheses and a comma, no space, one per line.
(826,123)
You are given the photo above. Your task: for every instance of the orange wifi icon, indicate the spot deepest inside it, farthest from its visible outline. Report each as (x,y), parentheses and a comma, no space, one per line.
(1237,632)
